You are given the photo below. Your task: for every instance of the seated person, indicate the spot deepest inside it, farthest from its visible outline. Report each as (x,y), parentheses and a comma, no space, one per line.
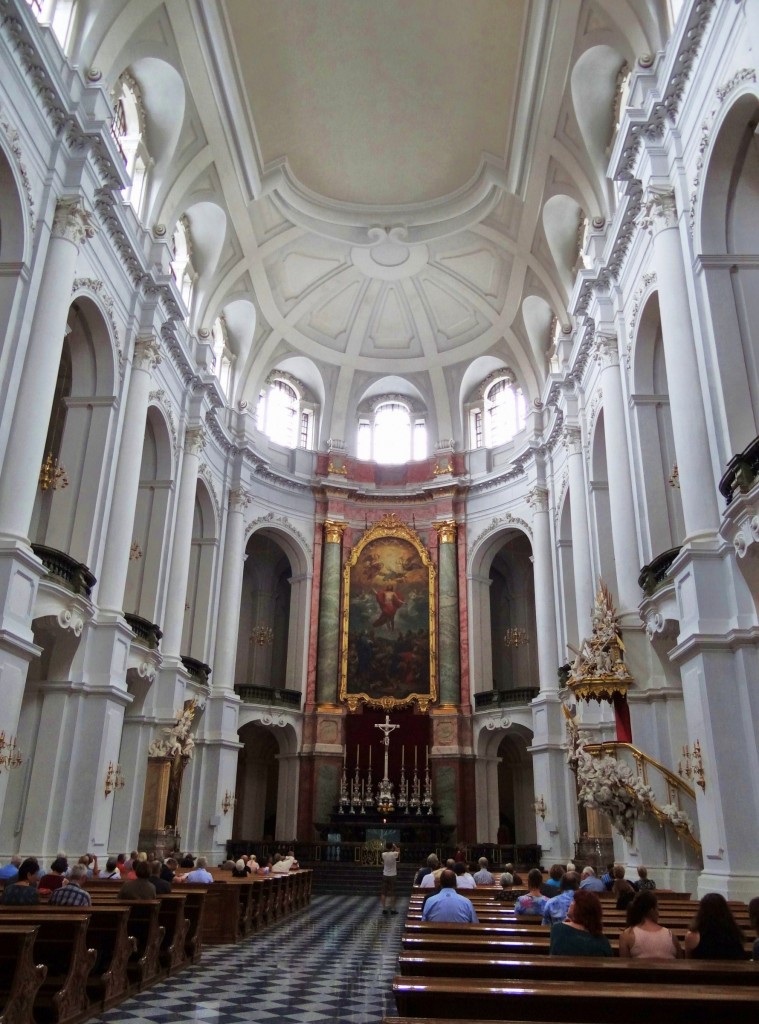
(140,887)
(54,878)
(23,891)
(112,872)
(448,904)
(533,902)
(714,933)
(240,869)
(557,907)
(464,880)
(509,869)
(644,882)
(581,934)
(429,867)
(72,893)
(199,874)
(507,884)
(588,880)
(551,885)
(621,888)
(160,884)
(644,937)
(483,876)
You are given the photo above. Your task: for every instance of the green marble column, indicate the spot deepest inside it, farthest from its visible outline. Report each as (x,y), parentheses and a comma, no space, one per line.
(449,665)
(329,614)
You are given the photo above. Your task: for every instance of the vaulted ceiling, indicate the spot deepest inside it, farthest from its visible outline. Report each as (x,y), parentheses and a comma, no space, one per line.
(379,189)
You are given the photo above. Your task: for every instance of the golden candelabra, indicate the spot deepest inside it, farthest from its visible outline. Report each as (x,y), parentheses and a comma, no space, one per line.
(114,778)
(52,475)
(515,637)
(228,801)
(540,807)
(692,765)
(262,635)
(10,755)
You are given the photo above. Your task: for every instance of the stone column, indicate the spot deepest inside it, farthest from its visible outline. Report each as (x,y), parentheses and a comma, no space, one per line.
(225,652)
(72,225)
(173,618)
(696,476)
(623,531)
(113,574)
(545,605)
(329,614)
(581,560)
(449,666)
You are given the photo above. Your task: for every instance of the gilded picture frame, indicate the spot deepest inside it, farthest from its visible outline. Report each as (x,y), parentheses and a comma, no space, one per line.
(388,655)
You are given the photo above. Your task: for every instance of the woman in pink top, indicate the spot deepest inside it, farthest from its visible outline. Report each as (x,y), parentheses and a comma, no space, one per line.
(644,937)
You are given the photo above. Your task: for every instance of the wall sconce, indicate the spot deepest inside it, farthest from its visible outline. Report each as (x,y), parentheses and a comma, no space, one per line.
(114,778)
(692,765)
(540,807)
(262,635)
(52,475)
(228,802)
(10,755)
(515,637)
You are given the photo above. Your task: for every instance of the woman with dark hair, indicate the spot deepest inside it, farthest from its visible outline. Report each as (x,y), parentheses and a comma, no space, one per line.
(621,888)
(551,885)
(581,934)
(533,902)
(714,934)
(644,937)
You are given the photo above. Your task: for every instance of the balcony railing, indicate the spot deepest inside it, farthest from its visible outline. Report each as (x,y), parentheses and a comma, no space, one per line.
(269,695)
(741,473)
(653,575)
(197,669)
(144,630)
(75,576)
(500,698)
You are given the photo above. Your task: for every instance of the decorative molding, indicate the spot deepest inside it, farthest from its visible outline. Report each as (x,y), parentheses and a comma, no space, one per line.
(160,398)
(645,283)
(205,472)
(12,137)
(333,531)
(195,439)
(270,519)
(305,394)
(571,439)
(498,722)
(446,531)
(744,75)
(537,499)
(507,519)
(96,287)
(606,349)
(71,618)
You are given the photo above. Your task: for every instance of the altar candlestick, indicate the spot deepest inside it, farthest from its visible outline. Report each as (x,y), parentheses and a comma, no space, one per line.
(370,755)
(362,790)
(428,757)
(416,751)
(403,756)
(345,755)
(358,748)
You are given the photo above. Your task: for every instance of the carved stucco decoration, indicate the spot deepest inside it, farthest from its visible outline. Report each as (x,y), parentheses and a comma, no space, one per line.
(205,472)
(497,522)
(71,618)
(744,75)
(96,287)
(160,398)
(646,281)
(281,521)
(12,137)
(498,722)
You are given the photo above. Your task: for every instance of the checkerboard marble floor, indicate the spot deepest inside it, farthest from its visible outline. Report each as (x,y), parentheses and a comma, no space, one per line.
(333,962)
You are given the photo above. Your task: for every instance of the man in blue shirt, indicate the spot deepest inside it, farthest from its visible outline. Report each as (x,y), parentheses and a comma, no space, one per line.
(10,871)
(556,909)
(590,881)
(448,905)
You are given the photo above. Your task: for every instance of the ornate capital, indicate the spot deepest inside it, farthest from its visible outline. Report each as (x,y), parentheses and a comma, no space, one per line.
(195,440)
(333,531)
(147,353)
(607,349)
(659,210)
(446,531)
(239,499)
(572,440)
(537,499)
(72,221)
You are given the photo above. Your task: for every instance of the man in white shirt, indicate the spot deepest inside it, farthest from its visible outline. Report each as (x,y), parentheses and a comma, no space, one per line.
(464,880)
(389,875)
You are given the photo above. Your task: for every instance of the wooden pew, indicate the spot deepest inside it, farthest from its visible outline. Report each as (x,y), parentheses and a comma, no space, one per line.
(485,999)
(61,944)
(579,969)
(171,917)
(20,974)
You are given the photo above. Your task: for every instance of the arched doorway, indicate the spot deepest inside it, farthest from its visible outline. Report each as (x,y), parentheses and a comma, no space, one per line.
(516,815)
(257,784)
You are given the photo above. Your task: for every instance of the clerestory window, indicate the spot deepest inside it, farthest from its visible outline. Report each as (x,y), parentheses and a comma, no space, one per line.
(497,411)
(286,412)
(391,433)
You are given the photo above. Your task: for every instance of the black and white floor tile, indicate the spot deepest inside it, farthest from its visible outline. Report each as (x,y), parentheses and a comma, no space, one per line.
(333,962)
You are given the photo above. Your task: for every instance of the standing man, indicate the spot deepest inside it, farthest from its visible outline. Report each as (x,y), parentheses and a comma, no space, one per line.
(448,905)
(389,875)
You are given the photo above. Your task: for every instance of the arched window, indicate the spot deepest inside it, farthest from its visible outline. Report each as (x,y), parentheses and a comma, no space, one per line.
(181,264)
(392,432)
(128,129)
(223,357)
(286,413)
(497,410)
